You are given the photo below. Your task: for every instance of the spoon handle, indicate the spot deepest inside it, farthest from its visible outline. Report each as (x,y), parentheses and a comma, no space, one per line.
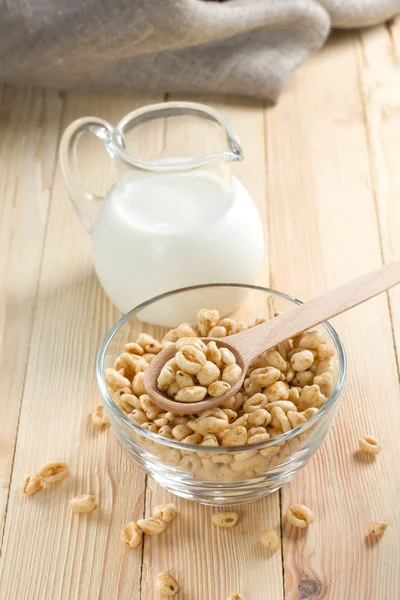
(316,311)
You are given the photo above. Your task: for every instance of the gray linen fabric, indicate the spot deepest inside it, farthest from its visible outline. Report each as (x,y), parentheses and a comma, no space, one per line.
(247,47)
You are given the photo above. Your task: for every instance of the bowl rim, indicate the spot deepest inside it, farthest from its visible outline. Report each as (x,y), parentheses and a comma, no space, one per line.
(121,416)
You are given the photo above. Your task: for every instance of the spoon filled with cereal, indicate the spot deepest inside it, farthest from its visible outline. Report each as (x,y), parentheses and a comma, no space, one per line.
(196,374)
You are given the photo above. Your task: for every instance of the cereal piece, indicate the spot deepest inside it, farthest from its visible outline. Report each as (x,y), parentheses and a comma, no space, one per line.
(173,389)
(128,402)
(218,332)
(311,340)
(279,419)
(295,418)
(151,526)
(166,432)
(115,380)
(207,319)
(309,412)
(150,427)
(294,395)
(209,440)
(277,391)
(166,377)
(194,393)
(378,527)
(259,417)
(186,330)
(255,402)
(227,356)
(166,585)
(194,439)
(165,512)
(274,359)
(218,388)
(236,596)
(301,361)
(265,376)
(180,431)
(138,416)
(99,416)
(208,374)
(257,438)
(131,535)
(213,354)
(235,437)
(303,378)
(231,374)
(325,352)
(325,382)
(138,386)
(225,519)
(53,472)
(299,515)
(83,504)
(133,348)
(270,539)
(310,396)
(190,359)
(369,444)
(151,409)
(32,484)
(191,341)
(285,405)
(184,379)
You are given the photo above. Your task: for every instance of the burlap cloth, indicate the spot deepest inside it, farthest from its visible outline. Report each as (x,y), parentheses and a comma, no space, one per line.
(236,46)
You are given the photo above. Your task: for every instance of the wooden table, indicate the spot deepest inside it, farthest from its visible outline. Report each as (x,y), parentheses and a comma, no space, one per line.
(324,168)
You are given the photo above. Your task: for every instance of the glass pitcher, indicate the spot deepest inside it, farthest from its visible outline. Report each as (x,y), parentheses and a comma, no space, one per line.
(175,216)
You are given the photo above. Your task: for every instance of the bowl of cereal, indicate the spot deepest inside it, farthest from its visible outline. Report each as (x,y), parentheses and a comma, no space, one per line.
(254,442)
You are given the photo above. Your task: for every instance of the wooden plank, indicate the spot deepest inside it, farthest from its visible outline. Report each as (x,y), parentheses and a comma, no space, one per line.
(380,84)
(60,555)
(323,231)
(210,563)
(29,121)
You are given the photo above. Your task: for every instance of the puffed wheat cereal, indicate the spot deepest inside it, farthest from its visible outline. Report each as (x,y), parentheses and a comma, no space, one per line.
(369,444)
(299,515)
(151,526)
(165,512)
(166,585)
(131,535)
(83,504)
(225,519)
(270,539)
(378,528)
(53,472)
(32,484)
(99,416)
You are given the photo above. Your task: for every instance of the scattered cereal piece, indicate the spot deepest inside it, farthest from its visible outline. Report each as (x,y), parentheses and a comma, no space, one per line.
(83,504)
(270,539)
(369,444)
(99,416)
(131,535)
(166,585)
(225,519)
(378,527)
(165,512)
(151,526)
(236,596)
(53,472)
(299,515)
(32,484)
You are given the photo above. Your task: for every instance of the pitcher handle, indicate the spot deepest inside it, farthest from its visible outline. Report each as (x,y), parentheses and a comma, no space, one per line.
(84,201)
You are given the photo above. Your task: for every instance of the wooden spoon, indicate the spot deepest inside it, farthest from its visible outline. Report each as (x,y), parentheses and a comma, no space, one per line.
(249,344)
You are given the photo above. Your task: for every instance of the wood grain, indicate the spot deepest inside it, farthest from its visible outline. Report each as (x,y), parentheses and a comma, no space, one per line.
(321,166)
(78,557)
(379,69)
(323,230)
(29,122)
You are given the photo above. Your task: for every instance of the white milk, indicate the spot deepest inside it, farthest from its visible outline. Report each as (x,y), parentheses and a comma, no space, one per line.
(174,230)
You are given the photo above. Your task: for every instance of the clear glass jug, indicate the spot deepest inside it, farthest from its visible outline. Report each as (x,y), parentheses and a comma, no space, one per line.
(175,217)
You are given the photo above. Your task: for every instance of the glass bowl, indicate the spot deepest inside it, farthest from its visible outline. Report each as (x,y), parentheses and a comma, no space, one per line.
(216,475)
